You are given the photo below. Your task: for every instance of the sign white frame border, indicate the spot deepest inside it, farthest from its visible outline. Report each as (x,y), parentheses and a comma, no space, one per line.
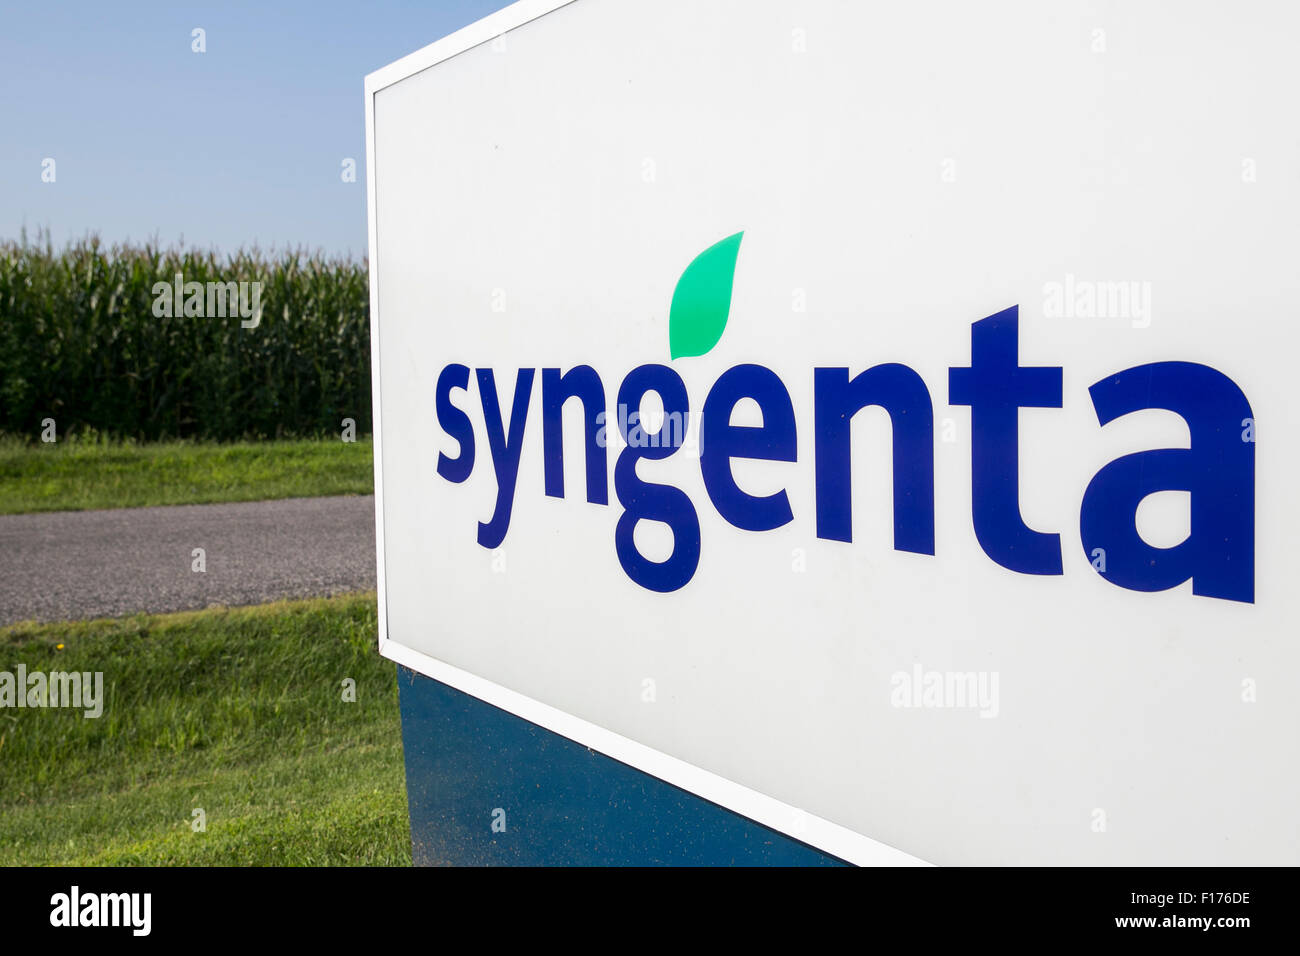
(796,823)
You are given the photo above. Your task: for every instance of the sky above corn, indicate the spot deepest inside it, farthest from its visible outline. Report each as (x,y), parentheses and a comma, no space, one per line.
(243,143)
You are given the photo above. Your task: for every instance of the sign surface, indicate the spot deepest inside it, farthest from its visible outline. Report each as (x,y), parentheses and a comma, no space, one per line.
(849,412)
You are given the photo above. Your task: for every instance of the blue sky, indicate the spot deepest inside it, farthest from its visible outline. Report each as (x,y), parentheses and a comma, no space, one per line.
(240,144)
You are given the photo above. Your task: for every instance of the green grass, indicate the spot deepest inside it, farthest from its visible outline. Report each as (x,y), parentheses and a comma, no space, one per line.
(72,475)
(238,712)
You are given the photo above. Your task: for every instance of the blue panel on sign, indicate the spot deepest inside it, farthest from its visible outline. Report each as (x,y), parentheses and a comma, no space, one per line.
(489,788)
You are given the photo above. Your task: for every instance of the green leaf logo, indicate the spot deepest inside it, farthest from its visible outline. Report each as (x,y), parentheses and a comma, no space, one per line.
(702,300)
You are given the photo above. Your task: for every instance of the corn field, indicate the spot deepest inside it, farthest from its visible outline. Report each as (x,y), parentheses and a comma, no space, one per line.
(82,342)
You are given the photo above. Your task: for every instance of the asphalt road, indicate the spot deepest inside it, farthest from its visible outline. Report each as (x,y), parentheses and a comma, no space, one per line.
(83,564)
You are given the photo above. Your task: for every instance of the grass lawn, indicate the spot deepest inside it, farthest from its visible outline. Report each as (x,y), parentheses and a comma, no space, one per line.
(239,712)
(76,475)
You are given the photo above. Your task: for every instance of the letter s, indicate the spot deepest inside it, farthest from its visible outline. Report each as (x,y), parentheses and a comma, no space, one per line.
(456,424)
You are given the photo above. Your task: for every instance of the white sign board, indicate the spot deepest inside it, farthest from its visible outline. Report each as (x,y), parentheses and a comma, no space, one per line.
(848,411)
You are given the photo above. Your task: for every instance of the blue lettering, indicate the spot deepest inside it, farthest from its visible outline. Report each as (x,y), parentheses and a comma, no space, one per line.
(456,424)
(505,452)
(722,441)
(1218,471)
(583,384)
(996,387)
(902,393)
(642,500)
